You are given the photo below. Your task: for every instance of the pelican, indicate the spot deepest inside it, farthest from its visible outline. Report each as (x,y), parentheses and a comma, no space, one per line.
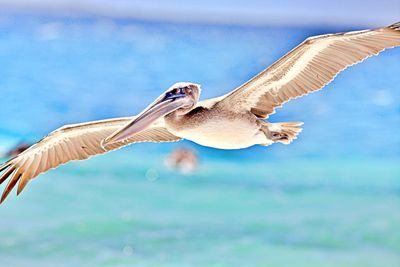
(233,121)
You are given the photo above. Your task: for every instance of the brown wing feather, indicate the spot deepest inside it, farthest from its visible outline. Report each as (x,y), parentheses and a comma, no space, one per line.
(72,142)
(309,67)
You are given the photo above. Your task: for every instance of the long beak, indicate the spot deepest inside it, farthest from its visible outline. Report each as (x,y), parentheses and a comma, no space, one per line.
(156,110)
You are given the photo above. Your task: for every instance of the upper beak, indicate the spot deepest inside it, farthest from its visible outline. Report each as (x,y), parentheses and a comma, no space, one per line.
(159,108)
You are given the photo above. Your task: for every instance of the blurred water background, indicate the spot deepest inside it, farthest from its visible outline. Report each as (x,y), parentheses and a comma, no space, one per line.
(331,198)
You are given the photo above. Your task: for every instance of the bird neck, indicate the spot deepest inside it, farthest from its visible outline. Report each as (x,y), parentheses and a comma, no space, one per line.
(176,116)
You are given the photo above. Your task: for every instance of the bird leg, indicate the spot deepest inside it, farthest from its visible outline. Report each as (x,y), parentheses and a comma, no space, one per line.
(284,132)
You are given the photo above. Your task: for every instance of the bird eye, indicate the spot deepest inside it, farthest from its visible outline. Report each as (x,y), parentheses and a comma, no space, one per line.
(174,92)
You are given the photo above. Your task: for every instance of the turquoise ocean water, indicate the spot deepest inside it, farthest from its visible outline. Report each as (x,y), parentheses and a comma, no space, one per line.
(332,198)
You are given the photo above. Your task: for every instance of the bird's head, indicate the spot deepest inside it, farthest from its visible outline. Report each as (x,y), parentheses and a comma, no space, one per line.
(180,97)
(186,92)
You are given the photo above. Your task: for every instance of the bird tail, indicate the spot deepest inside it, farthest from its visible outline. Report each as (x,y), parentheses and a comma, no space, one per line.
(285,132)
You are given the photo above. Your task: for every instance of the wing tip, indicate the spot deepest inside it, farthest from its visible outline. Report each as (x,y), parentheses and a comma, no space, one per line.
(21,185)
(9,187)
(3,197)
(11,173)
(2,200)
(394,26)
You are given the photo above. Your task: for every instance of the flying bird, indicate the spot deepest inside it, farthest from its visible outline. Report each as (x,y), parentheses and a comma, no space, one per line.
(233,121)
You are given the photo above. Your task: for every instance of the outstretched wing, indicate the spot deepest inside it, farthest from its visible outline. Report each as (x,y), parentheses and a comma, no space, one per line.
(72,142)
(309,67)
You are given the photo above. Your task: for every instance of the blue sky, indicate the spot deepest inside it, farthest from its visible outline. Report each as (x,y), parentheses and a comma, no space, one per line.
(249,12)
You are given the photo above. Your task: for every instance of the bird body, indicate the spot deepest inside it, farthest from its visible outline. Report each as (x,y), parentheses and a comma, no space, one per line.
(218,128)
(233,121)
